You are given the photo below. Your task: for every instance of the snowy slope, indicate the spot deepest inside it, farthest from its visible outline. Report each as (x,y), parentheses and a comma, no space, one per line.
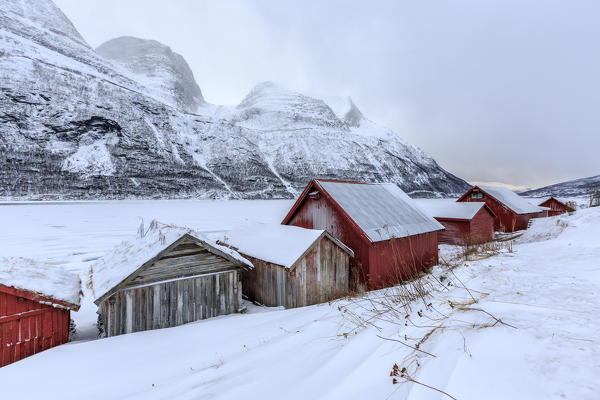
(77,125)
(577,187)
(545,289)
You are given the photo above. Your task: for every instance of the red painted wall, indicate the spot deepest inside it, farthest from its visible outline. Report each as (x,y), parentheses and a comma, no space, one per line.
(456,231)
(394,260)
(320,214)
(481,227)
(28,327)
(506,219)
(556,207)
(374,264)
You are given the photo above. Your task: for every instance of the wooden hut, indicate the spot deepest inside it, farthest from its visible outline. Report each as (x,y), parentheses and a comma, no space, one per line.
(168,276)
(464,223)
(391,236)
(36,300)
(513,212)
(293,267)
(556,206)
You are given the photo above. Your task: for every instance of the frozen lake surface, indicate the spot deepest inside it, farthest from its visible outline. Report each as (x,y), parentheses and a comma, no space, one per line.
(75,234)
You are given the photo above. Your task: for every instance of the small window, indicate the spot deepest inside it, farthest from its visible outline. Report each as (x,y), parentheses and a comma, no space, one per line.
(477,195)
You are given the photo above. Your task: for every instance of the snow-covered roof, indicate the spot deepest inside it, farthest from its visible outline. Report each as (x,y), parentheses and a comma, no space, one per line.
(381,210)
(545,199)
(46,280)
(443,208)
(278,244)
(510,199)
(130,255)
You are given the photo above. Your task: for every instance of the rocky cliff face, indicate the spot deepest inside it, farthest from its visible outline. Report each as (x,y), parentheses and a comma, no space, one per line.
(76,125)
(161,70)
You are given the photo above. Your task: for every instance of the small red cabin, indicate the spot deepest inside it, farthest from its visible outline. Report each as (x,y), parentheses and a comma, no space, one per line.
(556,206)
(512,211)
(35,305)
(465,223)
(391,236)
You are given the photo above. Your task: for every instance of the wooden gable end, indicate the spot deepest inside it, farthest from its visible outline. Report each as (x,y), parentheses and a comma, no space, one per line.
(185,259)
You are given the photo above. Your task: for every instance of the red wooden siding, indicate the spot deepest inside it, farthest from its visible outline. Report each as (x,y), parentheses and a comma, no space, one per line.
(456,231)
(397,259)
(556,207)
(479,229)
(28,327)
(506,219)
(318,213)
(374,265)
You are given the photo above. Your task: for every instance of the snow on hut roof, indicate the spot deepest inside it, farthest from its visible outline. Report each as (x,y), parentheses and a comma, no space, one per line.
(278,244)
(130,255)
(40,278)
(545,199)
(447,208)
(510,199)
(381,210)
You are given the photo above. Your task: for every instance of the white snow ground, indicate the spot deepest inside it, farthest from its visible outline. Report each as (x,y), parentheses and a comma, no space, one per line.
(547,288)
(75,234)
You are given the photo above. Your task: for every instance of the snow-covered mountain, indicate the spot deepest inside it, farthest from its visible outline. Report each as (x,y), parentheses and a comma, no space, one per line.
(577,187)
(129,120)
(158,68)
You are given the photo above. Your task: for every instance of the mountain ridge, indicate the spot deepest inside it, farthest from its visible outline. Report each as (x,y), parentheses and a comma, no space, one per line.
(575,187)
(75,126)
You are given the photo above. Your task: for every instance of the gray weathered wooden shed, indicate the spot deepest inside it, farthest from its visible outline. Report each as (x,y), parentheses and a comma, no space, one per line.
(293,267)
(166,277)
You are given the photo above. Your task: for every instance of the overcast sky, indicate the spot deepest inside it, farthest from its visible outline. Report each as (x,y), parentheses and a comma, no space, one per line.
(505,91)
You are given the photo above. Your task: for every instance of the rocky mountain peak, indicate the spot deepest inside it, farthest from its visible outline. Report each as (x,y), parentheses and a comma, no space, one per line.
(42,14)
(76,123)
(271,106)
(160,69)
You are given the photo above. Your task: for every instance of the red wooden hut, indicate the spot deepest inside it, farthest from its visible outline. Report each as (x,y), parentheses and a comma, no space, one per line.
(465,223)
(556,206)
(35,304)
(512,211)
(391,236)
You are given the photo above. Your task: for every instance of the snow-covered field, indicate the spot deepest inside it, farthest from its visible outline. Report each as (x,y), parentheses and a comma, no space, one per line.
(545,290)
(75,234)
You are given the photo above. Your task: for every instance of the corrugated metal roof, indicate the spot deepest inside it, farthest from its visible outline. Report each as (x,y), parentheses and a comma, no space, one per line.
(510,199)
(381,210)
(449,208)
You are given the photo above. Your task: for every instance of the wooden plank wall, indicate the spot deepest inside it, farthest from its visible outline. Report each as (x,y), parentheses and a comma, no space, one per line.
(28,327)
(172,303)
(184,260)
(320,276)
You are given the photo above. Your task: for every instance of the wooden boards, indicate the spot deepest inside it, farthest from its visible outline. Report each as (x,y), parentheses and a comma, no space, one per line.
(171,303)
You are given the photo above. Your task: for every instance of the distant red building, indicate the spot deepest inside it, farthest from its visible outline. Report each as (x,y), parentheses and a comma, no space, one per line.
(556,206)
(464,223)
(512,211)
(392,238)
